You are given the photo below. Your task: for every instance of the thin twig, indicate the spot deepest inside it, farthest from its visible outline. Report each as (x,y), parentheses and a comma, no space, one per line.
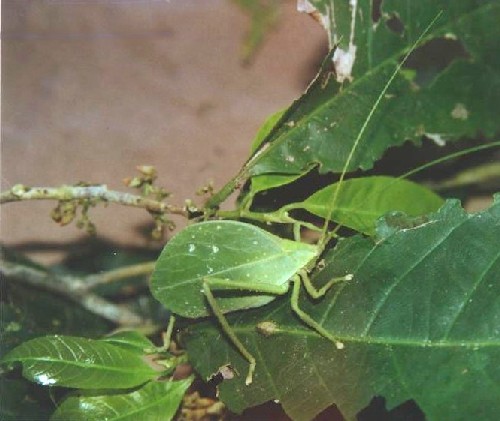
(281,216)
(73,288)
(20,192)
(91,281)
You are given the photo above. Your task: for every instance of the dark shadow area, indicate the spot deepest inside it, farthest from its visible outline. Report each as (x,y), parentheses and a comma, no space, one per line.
(89,246)
(433,57)
(36,311)
(392,21)
(376,411)
(396,162)
(27,400)
(95,254)
(376,10)
(395,24)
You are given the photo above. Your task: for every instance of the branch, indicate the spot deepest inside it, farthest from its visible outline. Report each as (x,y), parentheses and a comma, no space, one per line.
(78,289)
(100,192)
(91,281)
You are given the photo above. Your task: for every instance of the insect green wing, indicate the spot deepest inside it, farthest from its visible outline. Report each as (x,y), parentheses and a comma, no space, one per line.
(225,250)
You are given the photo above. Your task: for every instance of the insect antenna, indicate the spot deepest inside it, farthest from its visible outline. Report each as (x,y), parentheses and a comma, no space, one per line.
(325,235)
(450,156)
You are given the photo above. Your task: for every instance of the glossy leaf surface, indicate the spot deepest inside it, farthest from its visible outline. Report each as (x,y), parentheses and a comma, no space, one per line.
(78,362)
(224,250)
(361,201)
(418,321)
(156,401)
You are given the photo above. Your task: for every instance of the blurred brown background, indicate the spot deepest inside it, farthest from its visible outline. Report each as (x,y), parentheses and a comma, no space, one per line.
(92,88)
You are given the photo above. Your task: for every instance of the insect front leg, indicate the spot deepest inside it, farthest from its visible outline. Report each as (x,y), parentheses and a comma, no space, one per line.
(167,336)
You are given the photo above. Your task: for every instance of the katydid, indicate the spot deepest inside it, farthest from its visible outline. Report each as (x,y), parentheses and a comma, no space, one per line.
(210,259)
(217,267)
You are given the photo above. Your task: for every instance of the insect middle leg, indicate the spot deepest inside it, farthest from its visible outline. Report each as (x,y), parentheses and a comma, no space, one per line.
(315,293)
(318,293)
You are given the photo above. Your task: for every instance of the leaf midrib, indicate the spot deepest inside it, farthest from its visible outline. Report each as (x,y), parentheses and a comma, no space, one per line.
(250,330)
(34,360)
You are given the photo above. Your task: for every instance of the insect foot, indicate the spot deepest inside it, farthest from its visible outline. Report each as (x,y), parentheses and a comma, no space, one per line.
(267,328)
(339,345)
(251,369)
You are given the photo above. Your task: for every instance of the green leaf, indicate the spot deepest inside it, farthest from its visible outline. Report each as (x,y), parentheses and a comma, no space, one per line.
(264,183)
(266,129)
(418,321)
(79,362)
(224,250)
(154,401)
(482,175)
(361,201)
(267,181)
(131,340)
(461,99)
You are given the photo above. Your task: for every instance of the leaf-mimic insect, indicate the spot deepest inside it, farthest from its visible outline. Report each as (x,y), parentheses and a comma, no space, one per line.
(217,267)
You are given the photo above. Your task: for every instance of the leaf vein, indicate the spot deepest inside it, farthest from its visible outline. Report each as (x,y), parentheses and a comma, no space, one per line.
(398,280)
(466,299)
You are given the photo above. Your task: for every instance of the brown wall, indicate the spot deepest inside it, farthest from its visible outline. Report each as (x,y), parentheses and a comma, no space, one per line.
(92,88)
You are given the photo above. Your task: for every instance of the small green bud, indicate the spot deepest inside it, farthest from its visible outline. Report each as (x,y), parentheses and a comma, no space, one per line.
(19,189)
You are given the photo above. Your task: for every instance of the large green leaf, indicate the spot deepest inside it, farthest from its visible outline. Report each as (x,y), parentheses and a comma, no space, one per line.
(78,362)
(461,99)
(224,250)
(418,321)
(156,401)
(361,201)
